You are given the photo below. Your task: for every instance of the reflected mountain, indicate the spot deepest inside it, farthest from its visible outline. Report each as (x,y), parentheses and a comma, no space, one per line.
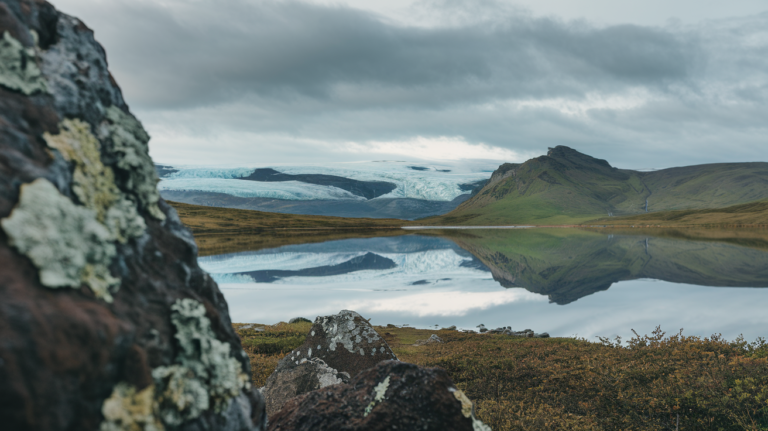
(391,261)
(568,264)
(368,261)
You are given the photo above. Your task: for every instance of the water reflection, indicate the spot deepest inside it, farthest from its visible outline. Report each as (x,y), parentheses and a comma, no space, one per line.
(568,264)
(553,280)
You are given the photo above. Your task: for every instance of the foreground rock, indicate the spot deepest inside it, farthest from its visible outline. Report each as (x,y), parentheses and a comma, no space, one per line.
(346,343)
(106,320)
(308,376)
(393,395)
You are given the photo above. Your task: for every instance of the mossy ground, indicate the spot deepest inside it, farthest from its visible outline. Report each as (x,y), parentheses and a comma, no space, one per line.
(565,383)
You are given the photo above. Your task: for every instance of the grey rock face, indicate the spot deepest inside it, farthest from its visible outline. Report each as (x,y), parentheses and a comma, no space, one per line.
(106,320)
(391,396)
(308,376)
(337,348)
(345,341)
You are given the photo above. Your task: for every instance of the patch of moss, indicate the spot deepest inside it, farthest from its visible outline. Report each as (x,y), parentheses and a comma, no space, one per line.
(65,241)
(18,67)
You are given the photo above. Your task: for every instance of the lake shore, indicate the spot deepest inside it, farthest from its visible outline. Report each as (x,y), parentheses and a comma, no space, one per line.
(518,383)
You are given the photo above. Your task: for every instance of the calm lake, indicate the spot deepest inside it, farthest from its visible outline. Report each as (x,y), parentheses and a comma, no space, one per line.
(567,282)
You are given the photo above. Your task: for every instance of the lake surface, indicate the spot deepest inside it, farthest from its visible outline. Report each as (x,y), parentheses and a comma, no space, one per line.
(566,282)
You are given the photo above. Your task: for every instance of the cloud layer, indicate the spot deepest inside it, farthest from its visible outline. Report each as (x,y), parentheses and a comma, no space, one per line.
(270,80)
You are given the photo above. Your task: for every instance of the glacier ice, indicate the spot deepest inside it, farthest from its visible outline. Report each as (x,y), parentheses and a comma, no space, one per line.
(288,190)
(432,184)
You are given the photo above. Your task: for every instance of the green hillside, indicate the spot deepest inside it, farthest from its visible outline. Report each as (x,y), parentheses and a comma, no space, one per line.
(752,213)
(566,186)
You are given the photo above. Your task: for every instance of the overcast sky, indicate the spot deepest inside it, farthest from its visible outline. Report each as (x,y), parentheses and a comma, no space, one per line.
(641,83)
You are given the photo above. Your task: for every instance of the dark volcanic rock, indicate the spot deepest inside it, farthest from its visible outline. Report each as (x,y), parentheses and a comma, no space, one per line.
(368,261)
(308,376)
(105,314)
(345,342)
(393,395)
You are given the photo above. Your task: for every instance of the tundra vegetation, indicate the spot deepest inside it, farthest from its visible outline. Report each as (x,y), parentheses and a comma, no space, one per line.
(650,382)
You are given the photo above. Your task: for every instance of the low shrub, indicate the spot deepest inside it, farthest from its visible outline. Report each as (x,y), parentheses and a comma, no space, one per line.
(267,344)
(650,382)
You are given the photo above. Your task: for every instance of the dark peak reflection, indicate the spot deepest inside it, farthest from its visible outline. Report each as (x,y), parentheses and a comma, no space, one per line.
(368,261)
(568,264)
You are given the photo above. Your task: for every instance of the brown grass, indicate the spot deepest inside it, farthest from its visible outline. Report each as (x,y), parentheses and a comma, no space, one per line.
(743,215)
(211,244)
(565,384)
(213,220)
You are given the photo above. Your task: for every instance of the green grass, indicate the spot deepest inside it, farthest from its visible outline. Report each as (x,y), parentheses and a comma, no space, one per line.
(752,213)
(523,210)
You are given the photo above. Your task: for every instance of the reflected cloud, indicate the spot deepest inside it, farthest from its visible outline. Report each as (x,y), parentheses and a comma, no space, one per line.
(454,303)
(565,282)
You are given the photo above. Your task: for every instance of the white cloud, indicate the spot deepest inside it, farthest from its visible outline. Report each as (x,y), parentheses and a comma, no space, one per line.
(437,148)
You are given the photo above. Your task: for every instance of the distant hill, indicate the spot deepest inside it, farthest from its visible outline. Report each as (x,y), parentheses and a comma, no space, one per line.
(752,213)
(566,186)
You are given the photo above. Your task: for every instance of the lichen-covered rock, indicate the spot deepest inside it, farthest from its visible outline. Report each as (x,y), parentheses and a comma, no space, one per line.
(106,320)
(345,341)
(18,69)
(66,243)
(392,395)
(308,376)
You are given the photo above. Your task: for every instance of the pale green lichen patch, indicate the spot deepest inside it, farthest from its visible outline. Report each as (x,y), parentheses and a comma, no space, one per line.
(94,183)
(65,241)
(181,396)
(129,143)
(466,404)
(18,67)
(467,411)
(130,410)
(207,358)
(203,376)
(378,395)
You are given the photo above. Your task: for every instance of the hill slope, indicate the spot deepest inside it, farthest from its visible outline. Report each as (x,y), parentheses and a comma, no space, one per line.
(752,213)
(566,186)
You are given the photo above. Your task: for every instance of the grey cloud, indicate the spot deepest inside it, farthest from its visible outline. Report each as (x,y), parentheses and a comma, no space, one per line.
(212,52)
(281,75)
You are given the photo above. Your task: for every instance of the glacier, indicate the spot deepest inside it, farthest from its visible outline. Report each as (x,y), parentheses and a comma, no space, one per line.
(424,181)
(288,190)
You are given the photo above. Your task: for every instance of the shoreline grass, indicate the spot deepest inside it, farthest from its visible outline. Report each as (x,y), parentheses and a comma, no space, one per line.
(649,383)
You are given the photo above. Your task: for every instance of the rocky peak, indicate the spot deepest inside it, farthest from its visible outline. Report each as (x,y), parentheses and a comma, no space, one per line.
(569,156)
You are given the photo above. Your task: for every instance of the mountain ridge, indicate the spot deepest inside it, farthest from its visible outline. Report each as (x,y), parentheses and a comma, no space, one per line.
(566,186)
